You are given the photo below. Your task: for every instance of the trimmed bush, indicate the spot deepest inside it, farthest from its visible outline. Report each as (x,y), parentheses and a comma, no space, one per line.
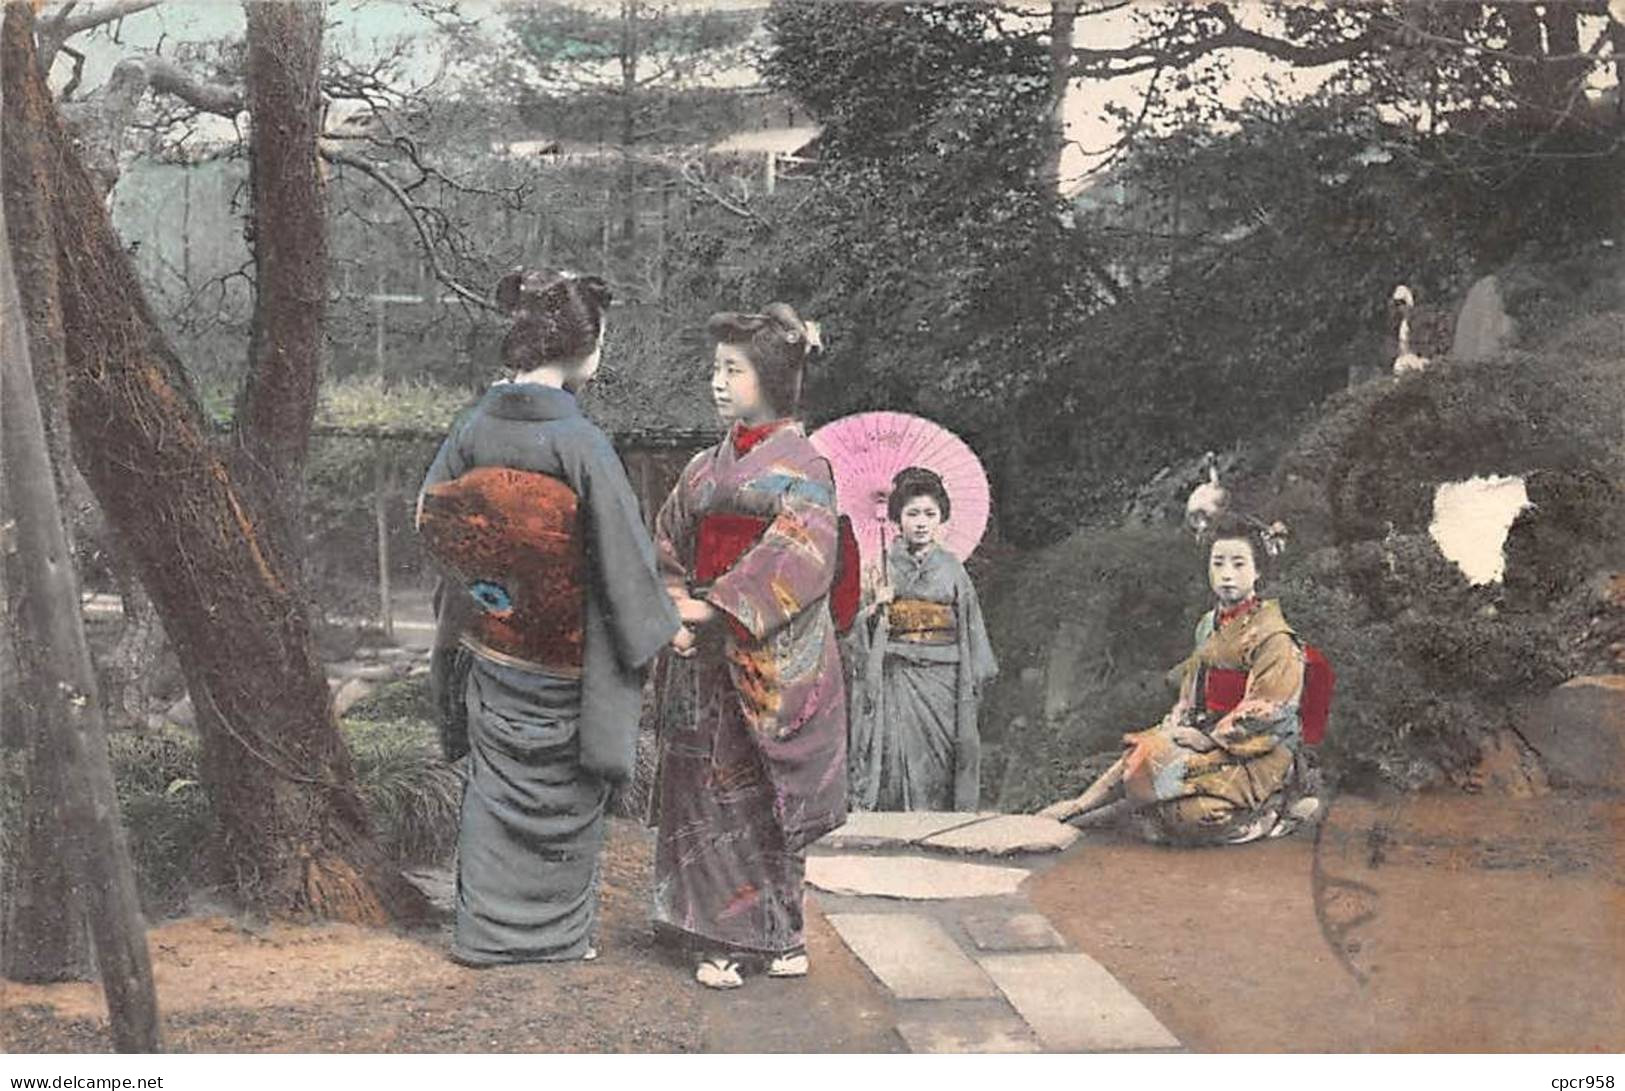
(1119,607)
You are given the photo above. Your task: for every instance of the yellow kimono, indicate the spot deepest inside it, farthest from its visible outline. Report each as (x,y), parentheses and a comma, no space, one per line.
(1236,791)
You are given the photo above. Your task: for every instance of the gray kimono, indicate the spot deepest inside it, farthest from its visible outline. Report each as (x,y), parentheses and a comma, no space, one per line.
(921,665)
(544,748)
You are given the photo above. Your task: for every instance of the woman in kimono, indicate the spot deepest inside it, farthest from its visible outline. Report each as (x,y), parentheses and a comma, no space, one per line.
(922,659)
(1221,768)
(551,613)
(753,708)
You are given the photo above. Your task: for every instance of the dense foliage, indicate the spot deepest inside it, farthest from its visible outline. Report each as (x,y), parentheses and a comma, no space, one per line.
(1430,669)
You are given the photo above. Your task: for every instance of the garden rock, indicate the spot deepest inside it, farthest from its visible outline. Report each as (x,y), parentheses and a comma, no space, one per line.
(349,692)
(1579,731)
(1483,329)
(1506,768)
(181,713)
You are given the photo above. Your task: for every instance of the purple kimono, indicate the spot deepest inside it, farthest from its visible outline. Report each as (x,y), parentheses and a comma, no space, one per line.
(753,727)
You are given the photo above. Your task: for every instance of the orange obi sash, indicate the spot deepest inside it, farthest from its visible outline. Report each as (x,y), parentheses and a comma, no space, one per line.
(922,622)
(513,538)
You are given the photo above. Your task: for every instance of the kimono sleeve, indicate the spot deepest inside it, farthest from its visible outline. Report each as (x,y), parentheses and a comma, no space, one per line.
(790,569)
(450,462)
(674,529)
(983,665)
(449,662)
(626,582)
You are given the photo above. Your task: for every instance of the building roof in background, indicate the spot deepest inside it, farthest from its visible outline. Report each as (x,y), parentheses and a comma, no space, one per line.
(784,141)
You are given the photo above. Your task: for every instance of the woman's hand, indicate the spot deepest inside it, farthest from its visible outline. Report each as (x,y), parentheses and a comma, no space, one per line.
(684,642)
(1192,739)
(694,612)
(883,594)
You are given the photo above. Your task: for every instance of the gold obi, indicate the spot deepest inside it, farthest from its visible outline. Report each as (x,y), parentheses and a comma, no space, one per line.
(513,539)
(922,622)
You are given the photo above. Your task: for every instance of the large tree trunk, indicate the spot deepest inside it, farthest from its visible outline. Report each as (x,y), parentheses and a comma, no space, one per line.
(1063,16)
(290,240)
(293,834)
(42,937)
(56,666)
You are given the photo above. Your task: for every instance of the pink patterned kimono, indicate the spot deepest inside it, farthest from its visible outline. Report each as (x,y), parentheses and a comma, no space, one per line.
(753,727)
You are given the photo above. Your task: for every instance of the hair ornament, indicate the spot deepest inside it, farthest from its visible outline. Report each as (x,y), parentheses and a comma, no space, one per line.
(1274,536)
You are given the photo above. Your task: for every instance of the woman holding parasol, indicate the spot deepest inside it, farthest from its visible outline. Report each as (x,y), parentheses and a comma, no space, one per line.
(919,654)
(922,659)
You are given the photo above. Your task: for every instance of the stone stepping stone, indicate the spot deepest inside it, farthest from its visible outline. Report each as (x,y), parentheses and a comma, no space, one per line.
(1005,835)
(1012,932)
(893,829)
(1074,1005)
(936,1027)
(913,956)
(911,877)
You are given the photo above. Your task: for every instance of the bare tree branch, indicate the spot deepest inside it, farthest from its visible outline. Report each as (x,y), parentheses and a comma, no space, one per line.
(416,213)
(692,179)
(165,77)
(1163,49)
(78,72)
(68,20)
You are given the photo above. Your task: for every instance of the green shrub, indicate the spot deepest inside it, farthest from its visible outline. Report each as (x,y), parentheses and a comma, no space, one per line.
(165,810)
(413,796)
(405,699)
(1121,606)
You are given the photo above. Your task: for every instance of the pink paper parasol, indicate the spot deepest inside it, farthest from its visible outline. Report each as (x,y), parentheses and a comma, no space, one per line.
(866,450)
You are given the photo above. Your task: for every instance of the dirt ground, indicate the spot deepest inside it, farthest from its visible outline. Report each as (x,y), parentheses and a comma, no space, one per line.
(1465,924)
(1431,923)
(228,986)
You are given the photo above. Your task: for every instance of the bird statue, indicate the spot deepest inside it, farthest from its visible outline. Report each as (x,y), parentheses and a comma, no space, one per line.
(1406,361)
(1207,500)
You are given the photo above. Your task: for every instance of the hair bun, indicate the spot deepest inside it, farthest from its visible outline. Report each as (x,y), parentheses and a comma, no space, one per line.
(557,315)
(598,289)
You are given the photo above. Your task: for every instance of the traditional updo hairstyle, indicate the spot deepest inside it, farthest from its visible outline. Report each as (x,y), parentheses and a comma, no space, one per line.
(912,482)
(558,318)
(1230,526)
(777,343)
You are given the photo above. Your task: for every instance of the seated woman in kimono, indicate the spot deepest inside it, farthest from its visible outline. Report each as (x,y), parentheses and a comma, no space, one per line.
(551,610)
(753,712)
(1205,776)
(921,659)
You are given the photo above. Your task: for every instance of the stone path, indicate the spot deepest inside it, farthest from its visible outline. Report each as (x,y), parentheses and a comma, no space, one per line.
(931,904)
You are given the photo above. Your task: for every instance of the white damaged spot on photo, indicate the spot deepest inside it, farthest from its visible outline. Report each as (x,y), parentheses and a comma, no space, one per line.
(1471,520)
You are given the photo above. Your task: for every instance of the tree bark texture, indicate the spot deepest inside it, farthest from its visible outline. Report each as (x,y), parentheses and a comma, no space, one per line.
(71,758)
(1063,18)
(293,836)
(43,937)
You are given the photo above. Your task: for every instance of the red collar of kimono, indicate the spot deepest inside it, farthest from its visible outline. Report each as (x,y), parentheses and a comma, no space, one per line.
(746,436)
(1228,614)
